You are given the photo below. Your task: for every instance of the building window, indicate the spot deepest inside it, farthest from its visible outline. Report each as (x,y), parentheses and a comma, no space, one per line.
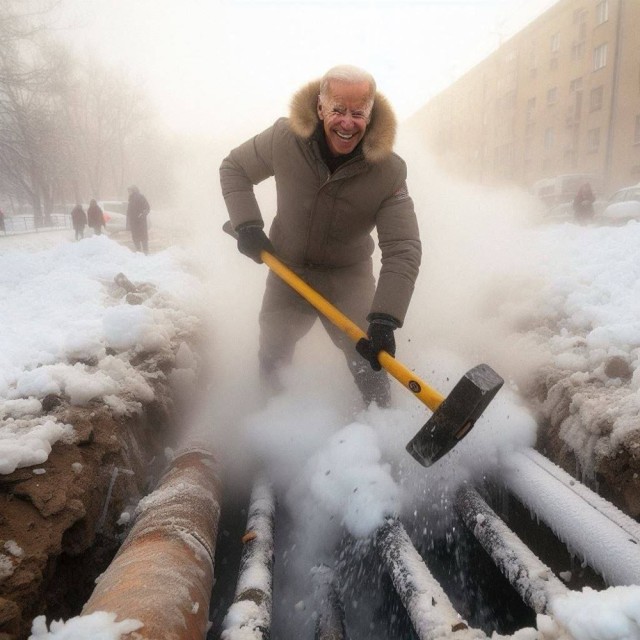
(553,63)
(548,138)
(593,140)
(575,85)
(636,133)
(577,50)
(602,11)
(600,57)
(552,96)
(555,43)
(595,103)
(531,107)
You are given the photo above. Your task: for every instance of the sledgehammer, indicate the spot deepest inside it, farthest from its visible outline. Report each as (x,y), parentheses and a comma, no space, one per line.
(453,417)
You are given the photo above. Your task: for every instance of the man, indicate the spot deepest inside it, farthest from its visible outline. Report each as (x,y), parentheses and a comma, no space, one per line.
(337,179)
(137,212)
(78,220)
(583,203)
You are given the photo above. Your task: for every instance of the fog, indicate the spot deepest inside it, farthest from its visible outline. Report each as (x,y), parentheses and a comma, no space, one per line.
(315,440)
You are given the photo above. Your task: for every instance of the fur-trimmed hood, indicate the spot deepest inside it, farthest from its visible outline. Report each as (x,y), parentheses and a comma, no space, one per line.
(379,137)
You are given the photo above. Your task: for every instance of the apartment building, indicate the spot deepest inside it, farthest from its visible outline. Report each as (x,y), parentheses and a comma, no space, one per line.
(560,97)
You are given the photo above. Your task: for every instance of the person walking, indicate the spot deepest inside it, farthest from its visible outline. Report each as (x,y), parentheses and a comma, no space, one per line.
(337,179)
(79,221)
(95,217)
(137,212)
(583,203)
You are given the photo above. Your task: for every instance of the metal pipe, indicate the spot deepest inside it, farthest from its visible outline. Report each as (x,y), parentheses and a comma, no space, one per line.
(330,610)
(163,573)
(250,612)
(590,527)
(430,610)
(531,578)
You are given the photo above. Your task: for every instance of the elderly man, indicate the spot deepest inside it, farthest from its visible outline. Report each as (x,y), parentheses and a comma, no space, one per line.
(337,179)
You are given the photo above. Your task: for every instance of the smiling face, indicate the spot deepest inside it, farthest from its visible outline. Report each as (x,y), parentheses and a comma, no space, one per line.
(345,114)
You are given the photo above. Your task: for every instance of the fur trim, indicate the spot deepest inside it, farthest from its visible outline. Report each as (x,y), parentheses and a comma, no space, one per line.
(381,130)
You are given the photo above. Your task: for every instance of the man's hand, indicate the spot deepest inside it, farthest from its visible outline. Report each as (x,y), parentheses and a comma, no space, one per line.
(379,338)
(252,240)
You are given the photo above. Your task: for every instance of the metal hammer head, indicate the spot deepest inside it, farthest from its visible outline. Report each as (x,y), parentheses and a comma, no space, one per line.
(456,415)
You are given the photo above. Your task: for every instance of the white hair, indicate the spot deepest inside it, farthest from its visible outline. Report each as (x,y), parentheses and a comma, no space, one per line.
(350,74)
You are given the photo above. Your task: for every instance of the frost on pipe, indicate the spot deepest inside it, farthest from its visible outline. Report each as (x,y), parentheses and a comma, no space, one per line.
(163,573)
(432,614)
(591,528)
(532,579)
(250,614)
(330,610)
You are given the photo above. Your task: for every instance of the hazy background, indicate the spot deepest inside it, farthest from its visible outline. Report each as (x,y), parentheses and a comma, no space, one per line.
(229,66)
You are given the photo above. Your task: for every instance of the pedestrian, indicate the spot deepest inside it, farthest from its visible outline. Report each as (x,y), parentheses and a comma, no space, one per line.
(583,203)
(95,217)
(137,212)
(79,220)
(337,179)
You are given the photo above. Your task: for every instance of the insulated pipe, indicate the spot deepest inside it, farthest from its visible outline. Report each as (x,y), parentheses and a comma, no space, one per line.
(590,527)
(163,573)
(430,610)
(533,580)
(250,614)
(330,610)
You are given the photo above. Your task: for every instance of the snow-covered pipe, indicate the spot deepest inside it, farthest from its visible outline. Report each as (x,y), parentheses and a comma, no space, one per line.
(429,609)
(250,614)
(163,573)
(531,578)
(329,607)
(590,526)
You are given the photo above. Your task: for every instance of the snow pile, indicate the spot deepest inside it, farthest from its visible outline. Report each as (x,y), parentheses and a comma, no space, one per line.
(67,329)
(613,614)
(588,295)
(100,625)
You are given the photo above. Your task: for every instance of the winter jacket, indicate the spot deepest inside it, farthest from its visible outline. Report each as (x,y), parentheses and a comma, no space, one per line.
(78,217)
(137,210)
(95,216)
(325,220)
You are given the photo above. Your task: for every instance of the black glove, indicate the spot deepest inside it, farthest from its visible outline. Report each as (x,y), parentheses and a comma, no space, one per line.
(252,240)
(380,338)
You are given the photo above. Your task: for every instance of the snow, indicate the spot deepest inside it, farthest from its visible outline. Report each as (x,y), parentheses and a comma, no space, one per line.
(100,625)
(63,332)
(58,320)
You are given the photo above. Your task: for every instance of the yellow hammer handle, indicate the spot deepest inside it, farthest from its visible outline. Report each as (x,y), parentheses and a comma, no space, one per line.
(407,378)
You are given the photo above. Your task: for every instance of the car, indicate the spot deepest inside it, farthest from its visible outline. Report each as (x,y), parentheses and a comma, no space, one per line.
(115,215)
(564,212)
(622,206)
(561,189)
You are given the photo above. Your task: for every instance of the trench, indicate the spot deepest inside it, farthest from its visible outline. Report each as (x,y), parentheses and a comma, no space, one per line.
(370,605)
(372,608)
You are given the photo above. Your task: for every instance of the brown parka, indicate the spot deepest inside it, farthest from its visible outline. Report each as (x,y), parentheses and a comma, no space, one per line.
(325,220)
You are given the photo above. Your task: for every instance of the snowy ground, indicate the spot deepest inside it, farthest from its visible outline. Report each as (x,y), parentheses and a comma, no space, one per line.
(563,296)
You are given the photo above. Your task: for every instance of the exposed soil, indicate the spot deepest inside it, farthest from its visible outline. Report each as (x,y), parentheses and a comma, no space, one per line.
(60,522)
(575,432)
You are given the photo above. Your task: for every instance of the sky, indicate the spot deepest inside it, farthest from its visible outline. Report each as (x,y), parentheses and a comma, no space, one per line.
(49,281)
(232,65)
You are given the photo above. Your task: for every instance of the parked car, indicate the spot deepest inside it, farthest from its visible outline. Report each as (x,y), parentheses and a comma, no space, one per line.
(564,212)
(115,215)
(623,205)
(562,189)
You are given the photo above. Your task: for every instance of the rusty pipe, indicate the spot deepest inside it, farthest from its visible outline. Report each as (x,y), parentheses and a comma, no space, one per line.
(163,573)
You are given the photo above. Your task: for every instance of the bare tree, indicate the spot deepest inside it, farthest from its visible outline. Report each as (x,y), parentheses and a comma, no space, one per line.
(65,126)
